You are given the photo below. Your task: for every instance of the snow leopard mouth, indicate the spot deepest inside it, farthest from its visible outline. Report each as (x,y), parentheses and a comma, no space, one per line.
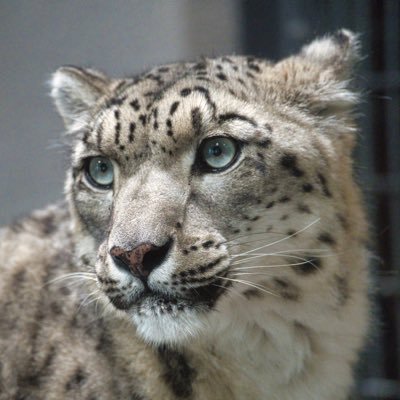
(155,303)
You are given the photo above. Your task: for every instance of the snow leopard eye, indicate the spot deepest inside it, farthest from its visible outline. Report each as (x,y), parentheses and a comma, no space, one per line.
(99,172)
(219,153)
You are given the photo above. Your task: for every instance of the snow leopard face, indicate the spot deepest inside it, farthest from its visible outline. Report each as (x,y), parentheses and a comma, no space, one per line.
(188,181)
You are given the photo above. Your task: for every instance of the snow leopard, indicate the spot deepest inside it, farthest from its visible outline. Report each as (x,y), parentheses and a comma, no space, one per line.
(212,243)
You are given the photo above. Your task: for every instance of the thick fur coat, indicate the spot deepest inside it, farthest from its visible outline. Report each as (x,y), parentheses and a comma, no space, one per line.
(212,245)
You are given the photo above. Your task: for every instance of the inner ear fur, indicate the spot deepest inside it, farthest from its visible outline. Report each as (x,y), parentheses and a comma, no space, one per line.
(75,92)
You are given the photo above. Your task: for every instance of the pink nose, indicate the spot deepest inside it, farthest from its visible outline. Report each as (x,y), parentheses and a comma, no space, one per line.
(141,260)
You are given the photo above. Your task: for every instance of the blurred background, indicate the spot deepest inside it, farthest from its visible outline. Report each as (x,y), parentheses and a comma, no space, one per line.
(123,37)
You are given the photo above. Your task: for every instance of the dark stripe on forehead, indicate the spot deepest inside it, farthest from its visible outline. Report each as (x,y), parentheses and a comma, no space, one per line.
(200,89)
(206,93)
(132,128)
(173,108)
(117,132)
(196,120)
(234,116)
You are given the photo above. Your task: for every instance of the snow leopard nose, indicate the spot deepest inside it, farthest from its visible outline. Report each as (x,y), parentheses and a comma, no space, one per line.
(141,260)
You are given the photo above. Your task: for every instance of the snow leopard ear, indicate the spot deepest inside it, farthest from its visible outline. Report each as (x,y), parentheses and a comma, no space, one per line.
(319,77)
(75,92)
(336,53)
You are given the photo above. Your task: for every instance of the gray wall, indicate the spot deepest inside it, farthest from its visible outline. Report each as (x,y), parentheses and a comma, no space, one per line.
(118,37)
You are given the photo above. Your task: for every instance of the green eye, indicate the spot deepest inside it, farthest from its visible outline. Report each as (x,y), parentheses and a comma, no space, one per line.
(100,172)
(219,153)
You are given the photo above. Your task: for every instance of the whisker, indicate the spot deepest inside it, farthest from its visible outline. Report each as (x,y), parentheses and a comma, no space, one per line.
(75,278)
(308,251)
(252,273)
(252,284)
(82,303)
(249,235)
(229,289)
(270,266)
(97,298)
(285,238)
(263,255)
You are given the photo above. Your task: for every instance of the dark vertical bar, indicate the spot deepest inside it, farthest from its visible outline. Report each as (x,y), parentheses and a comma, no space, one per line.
(392,64)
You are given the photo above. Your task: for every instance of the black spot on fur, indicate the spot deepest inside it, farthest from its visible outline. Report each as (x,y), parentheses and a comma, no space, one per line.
(264,143)
(132,128)
(250,75)
(77,379)
(135,104)
(185,92)
(303,208)
(270,204)
(211,265)
(268,127)
(115,101)
(310,266)
(173,108)
(143,119)
(254,67)
(200,66)
(207,244)
(289,162)
(117,132)
(326,238)
(178,374)
(221,76)
(284,199)
(324,185)
(47,225)
(119,302)
(286,289)
(307,187)
(86,136)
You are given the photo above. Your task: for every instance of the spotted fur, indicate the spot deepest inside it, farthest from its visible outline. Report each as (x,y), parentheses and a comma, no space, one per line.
(259,290)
